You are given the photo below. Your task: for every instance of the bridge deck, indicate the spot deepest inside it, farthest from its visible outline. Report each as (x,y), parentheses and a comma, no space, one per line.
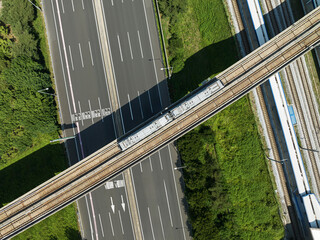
(238,80)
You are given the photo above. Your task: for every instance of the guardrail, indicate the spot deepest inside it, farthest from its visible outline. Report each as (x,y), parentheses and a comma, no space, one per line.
(238,80)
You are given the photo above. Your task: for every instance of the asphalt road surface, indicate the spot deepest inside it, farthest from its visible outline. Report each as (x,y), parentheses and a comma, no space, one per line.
(142,92)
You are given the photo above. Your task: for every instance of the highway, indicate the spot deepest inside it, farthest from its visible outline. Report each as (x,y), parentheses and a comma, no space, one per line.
(141,91)
(109,161)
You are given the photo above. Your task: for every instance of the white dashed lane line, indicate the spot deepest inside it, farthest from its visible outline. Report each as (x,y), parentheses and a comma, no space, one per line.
(130,45)
(81,55)
(120,48)
(90,53)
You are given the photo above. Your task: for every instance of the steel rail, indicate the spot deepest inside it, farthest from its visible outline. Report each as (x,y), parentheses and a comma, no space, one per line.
(239,79)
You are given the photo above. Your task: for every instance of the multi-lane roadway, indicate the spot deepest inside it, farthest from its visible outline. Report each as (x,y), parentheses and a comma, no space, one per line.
(87,113)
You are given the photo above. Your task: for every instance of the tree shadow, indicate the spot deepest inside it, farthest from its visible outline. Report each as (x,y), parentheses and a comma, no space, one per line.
(32,170)
(205,63)
(72,234)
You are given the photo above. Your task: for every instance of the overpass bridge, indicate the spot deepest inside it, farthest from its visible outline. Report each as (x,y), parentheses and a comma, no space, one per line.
(110,160)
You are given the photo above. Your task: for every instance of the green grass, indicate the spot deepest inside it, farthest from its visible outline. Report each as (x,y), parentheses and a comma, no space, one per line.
(28,119)
(60,226)
(228,186)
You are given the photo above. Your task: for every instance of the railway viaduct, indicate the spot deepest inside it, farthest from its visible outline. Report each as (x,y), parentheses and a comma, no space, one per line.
(109,161)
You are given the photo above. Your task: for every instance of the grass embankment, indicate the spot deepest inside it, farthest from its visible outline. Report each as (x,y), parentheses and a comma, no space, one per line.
(228,187)
(28,119)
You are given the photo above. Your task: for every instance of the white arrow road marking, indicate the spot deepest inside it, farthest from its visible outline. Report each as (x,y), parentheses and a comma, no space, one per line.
(123,204)
(112,206)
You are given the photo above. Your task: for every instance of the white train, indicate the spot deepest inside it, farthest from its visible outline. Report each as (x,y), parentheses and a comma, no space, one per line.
(170,114)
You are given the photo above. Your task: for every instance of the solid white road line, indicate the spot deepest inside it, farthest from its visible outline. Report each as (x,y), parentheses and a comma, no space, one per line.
(120,221)
(81,55)
(90,223)
(62,6)
(161,223)
(129,209)
(154,64)
(94,216)
(135,196)
(140,43)
(140,167)
(175,186)
(150,164)
(165,189)
(120,48)
(64,75)
(101,226)
(111,224)
(160,160)
(80,112)
(130,45)
(72,5)
(90,111)
(140,105)
(90,53)
(151,224)
(150,101)
(113,71)
(71,60)
(82,4)
(130,107)
(104,69)
(100,109)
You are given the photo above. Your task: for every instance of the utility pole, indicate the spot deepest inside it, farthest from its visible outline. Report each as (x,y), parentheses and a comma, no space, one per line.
(35,6)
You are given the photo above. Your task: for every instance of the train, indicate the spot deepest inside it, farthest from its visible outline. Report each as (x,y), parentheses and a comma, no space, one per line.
(171,113)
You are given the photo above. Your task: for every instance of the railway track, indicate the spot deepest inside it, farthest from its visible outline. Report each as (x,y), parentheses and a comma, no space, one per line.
(288,20)
(271,136)
(238,80)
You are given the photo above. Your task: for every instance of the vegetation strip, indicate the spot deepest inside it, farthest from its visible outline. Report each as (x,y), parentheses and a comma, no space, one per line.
(28,118)
(228,187)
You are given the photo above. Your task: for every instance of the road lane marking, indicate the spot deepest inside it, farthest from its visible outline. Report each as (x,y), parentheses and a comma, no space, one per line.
(130,107)
(130,45)
(94,216)
(111,224)
(101,226)
(161,223)
(129,208)
(62,6)
(151,224)
(64,74)
(140,44)
(175,186)
(81,55)
(72,5)
(100,110)
(90,111)
(90,223)
(82,4)
(112,2)
(150,101)
(140,105)
(165,189)
(120,48)
(135,195)
(140,167)
(120,221)
(80,111)
(71,60)
(90,53)
(160,160)
(154,64)
(150,164)
(104,68)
